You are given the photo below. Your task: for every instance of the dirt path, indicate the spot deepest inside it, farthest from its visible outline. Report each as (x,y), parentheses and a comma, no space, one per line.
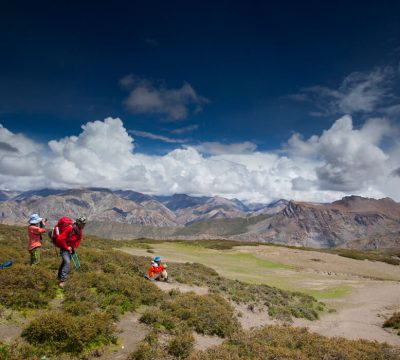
(361,314)
(181,287)
(11,325)
(131,332)
(8,332)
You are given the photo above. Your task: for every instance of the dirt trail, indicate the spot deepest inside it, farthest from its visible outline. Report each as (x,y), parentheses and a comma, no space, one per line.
(181,287)
(9,332)
(361,314)
(131,332)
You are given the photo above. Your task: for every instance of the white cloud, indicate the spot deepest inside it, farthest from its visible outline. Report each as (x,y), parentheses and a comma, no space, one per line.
(145,97)
(17,142)
(351,159)
(19,156)
(393,111)
(358,93)
(216,148)
(340,161)
(149,135)
(185,129)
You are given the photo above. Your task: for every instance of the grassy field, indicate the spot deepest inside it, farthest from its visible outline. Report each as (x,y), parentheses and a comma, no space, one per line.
(252,267)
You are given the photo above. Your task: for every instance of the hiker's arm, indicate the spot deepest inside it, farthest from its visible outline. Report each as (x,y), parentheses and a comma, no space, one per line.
(37,230)
(78,239)
(62,238)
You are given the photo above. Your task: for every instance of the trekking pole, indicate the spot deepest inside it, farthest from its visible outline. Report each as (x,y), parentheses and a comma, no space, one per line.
(75,260)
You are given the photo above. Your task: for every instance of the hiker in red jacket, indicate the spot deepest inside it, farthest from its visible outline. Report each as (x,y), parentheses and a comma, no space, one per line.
(35,231)
(68,240)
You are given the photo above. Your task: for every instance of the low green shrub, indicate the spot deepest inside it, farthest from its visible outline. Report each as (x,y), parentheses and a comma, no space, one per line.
(284,342)
(181,345)
(207,314)
(193,274)
(218,244)
(390,256)
(149,349)
(61,333)
(393,322)
(20,350)
(161,320)
(104,290)
(78,308)
(24,286)
(3,351)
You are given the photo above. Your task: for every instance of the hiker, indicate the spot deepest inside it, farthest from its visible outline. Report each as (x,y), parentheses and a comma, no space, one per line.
(35,231)
(68,240)
(157,270)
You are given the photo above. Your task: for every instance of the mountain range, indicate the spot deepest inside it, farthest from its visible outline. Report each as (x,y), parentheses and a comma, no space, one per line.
(353,221)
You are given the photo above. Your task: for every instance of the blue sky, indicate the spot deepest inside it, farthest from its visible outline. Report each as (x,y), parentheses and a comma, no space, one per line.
(223,79)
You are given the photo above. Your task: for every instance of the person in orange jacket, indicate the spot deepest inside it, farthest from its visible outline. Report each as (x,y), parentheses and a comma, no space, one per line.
(157,270)
(35,231)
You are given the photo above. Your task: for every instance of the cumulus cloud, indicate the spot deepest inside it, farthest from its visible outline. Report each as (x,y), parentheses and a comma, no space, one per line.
(7,147)
(17,142)
(359,92)
(340,161)
(19,155)
(146,97)
(350,158)
(396,172)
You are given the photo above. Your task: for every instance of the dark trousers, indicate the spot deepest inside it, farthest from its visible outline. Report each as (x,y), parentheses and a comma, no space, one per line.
(65,265)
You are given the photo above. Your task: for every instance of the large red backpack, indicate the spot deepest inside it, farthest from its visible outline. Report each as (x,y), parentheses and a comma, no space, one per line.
(62,223)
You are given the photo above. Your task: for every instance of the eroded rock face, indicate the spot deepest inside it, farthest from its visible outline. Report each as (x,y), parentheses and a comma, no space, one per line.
(352,221)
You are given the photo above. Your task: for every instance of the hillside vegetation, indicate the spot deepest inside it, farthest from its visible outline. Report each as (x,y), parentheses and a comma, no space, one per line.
(80,321)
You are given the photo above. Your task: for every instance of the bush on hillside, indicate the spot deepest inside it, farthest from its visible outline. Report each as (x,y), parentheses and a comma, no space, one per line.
(181,345)
(207,314)
(178,346)
(193,274)
(150,349)
(393,322)
(59,333)
(114,294)
(161,320)
(283,342)
(390,256)
(20,350)
(24,286)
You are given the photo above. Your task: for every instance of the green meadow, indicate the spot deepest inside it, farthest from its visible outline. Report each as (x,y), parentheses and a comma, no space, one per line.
(247,267)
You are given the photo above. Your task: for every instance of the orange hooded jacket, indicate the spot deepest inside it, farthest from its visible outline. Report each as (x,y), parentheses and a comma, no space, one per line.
(155,269)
